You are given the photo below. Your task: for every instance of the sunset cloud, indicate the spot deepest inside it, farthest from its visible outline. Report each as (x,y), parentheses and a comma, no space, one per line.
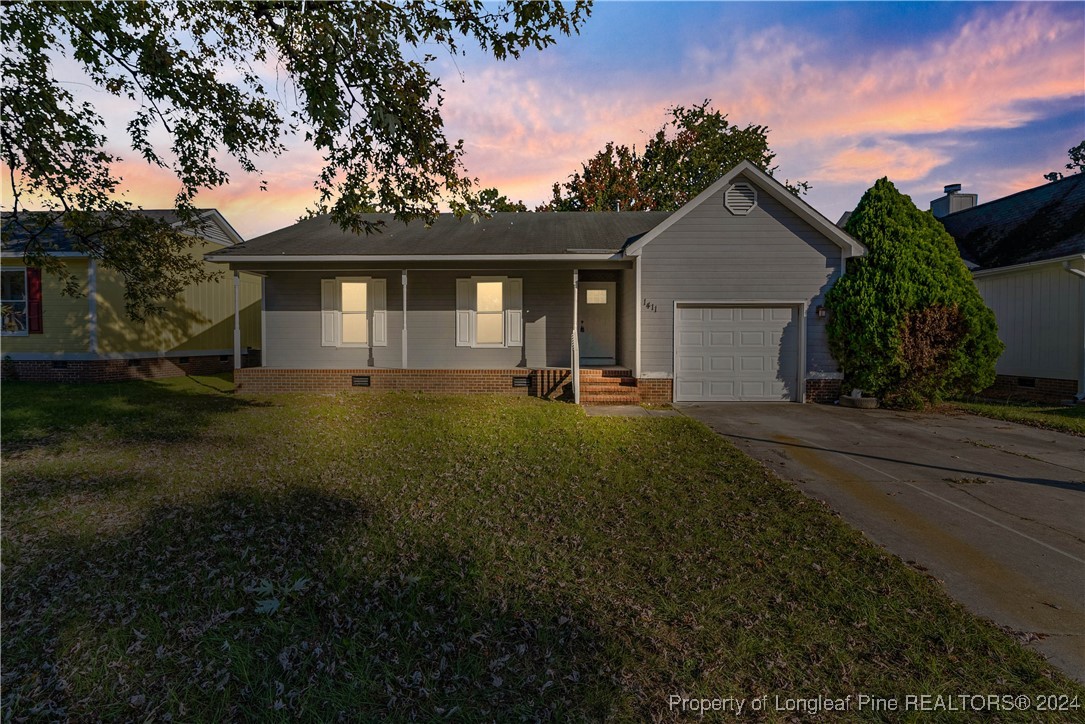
(987,95)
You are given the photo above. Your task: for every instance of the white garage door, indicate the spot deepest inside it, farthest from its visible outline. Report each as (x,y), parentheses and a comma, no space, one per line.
(737,353)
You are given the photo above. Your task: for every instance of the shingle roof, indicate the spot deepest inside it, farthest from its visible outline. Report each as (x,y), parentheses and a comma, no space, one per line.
(505,233)
(56,240)
(1046,222)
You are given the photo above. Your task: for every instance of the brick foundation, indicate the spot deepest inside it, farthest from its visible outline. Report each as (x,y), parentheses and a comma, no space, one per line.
(1042,389)
(119,370)
(655,390)
(823,390)
(263,380)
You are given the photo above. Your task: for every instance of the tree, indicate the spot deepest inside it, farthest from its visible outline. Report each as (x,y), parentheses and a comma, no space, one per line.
(358,73)
(693,148)
(1076,165)
(906,323)
(491,201)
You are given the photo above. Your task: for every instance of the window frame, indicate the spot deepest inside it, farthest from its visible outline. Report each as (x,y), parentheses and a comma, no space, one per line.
(367,314)
(475,281)
(25,332)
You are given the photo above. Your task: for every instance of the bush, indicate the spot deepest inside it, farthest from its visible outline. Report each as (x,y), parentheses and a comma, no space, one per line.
(906,323)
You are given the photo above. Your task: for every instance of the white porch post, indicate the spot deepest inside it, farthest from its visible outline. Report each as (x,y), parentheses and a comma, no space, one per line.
(403,351)
(576,337)
(237,320)
(92,305)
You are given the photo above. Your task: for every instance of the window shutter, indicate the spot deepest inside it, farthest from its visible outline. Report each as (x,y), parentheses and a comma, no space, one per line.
(514,312)
(378,304)
(33,302)
(329,313)
(464,310)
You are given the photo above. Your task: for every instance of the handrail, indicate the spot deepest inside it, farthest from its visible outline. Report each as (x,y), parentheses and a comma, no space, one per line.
(576,368)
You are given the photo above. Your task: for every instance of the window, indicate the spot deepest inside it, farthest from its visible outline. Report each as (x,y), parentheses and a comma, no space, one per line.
(14,301)
(354,317)
(595,296)
(353,312)
(488,312)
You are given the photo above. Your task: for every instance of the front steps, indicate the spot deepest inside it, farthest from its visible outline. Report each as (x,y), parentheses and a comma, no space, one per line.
(608,387)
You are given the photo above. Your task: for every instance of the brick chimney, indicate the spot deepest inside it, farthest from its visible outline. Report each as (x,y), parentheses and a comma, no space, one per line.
(953,201)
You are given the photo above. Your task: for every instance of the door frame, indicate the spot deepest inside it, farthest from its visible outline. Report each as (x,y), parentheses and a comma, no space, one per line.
(799,306)
(612,302)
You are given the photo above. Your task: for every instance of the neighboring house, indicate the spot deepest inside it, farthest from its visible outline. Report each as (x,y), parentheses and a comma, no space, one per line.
(49,336)
(720,300)
(1027,255)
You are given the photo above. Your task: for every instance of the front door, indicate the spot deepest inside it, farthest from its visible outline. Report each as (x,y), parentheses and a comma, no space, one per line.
(596,326)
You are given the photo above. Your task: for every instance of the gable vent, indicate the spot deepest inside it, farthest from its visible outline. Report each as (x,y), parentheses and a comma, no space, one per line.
(740,199)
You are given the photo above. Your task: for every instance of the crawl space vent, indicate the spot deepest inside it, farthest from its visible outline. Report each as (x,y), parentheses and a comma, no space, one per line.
(740,199)
(359,380)
(520,381)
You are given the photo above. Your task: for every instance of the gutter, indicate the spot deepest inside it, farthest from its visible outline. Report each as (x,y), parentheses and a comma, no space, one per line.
(1016,267)
(229,258)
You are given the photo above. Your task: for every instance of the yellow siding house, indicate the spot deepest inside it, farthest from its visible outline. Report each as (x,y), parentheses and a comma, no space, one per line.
(46,335)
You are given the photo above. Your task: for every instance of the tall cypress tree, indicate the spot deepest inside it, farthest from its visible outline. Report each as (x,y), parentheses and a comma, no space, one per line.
(906,322)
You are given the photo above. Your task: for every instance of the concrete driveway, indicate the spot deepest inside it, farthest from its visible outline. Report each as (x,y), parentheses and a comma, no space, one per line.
(993,509)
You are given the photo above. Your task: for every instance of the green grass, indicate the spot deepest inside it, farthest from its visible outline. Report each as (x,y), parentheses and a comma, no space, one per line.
(172,549)
(1063,418)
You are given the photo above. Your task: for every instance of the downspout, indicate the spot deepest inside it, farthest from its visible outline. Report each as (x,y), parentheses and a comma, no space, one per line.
(237,320)
(403,343)
(1081,370)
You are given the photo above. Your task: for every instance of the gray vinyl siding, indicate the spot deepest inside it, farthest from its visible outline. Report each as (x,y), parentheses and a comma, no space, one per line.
(711,255)
(627,318)
(292,302)
(1039,312)
(431,322)
(292,321)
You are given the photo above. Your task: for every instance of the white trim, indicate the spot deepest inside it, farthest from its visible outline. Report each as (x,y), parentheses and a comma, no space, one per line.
(65,254)
(92,304)
(799,306)
(774,189)
(263,321)
(1026,265)
(26,303)
(231,258)
(640,307)
(88,357)
(575,345)
(403,333)
(237,320)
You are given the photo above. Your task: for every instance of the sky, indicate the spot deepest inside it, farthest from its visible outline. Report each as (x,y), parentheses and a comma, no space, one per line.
(988,95)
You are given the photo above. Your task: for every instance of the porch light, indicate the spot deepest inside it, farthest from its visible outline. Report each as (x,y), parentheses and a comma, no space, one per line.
(820,311)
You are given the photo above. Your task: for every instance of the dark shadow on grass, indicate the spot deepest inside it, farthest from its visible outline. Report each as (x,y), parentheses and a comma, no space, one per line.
(369,623)
(43,414)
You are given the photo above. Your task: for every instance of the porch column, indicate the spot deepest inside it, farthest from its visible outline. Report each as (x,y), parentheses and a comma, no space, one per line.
(576,338)
(403,351)
(237,320)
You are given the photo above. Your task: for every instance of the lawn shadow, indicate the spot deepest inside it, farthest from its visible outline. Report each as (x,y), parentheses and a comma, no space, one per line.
(38,414)
(257,605)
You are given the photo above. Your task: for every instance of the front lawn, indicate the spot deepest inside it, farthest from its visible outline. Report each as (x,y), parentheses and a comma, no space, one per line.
(1063,418)
(172,550)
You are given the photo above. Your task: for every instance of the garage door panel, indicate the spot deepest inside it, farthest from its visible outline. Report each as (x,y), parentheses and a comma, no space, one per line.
(722,364)
(721,339)
(737,353)
(691,339)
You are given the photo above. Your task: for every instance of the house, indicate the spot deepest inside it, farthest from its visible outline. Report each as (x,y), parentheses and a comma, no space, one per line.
(720,300)
(1027,256)
(48,336)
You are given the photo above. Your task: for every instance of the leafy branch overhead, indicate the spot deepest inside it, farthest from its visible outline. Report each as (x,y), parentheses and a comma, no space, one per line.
(354,79)
(694,148)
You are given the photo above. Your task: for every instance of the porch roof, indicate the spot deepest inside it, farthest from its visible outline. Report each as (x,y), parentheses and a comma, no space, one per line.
(506,234)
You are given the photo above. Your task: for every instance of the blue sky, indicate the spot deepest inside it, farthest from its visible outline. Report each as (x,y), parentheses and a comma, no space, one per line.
(989,95)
